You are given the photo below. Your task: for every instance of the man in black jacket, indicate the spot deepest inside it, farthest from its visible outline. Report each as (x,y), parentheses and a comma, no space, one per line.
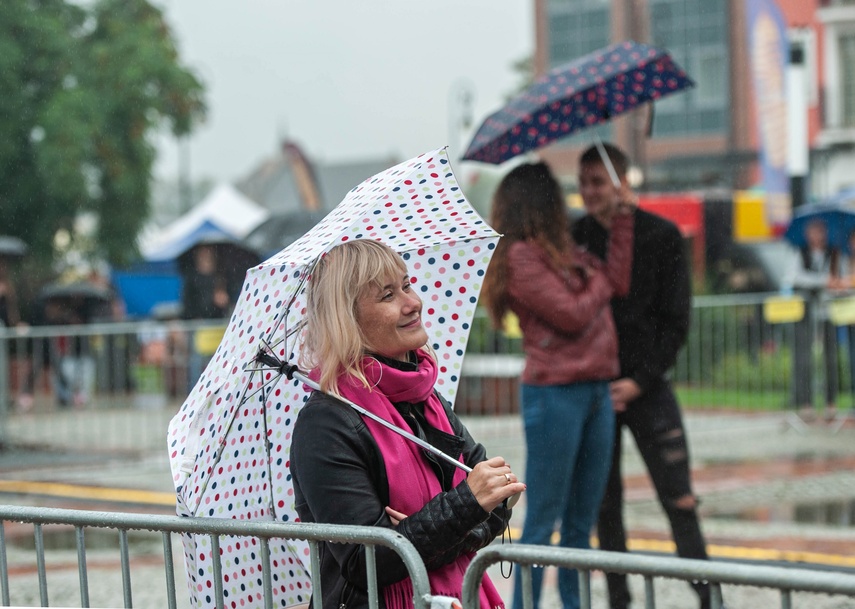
(652,323)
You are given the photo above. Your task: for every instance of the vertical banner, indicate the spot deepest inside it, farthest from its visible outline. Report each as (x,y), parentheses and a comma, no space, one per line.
(768,50)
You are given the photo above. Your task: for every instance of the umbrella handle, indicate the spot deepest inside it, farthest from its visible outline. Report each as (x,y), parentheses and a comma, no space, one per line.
(295,373)
(607,161)
(292,372)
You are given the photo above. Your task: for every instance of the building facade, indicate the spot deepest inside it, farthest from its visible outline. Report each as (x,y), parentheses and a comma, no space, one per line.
(715,135)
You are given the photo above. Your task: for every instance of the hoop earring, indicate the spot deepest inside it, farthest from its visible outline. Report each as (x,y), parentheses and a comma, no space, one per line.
(379,367)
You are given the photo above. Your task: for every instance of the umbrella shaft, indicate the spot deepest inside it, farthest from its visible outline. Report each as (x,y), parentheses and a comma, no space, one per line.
(428,447)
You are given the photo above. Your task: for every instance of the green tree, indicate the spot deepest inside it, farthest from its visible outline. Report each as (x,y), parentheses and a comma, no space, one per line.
(82,90)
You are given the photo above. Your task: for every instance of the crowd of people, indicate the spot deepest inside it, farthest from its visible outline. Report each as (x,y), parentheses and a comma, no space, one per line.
(67,362)
(603,307)
(821,272)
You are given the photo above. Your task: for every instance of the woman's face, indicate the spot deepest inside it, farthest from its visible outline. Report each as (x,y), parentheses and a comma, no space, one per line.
(390,317)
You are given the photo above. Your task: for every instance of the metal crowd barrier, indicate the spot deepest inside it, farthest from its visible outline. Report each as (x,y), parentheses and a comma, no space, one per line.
(122,523)
(124,375)
(784,579)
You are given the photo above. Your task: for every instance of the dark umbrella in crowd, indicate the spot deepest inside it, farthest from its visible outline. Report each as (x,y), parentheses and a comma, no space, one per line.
(838,218)
(231,260)
(12,247)
(585,92)
(76,302)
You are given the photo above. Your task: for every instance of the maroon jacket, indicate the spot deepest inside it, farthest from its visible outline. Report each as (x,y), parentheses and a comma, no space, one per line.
(568,331)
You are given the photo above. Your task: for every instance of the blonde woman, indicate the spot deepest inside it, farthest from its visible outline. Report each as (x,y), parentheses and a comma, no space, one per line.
(365,342)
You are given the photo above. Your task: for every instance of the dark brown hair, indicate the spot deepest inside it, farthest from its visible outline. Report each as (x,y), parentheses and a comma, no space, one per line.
(528,206)
(617,156)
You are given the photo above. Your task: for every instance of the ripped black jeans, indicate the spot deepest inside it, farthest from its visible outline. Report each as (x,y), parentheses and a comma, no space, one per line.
(657,426)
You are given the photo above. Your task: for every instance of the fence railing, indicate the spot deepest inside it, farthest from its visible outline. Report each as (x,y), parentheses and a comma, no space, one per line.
(784,579)
(741,352)
(167,526)
(74,584)
(58,382)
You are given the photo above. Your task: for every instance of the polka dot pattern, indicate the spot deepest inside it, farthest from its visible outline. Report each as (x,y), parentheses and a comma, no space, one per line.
(590,90)
(229,443)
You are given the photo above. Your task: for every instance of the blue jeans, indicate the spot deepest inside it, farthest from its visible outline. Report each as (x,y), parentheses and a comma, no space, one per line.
(569,430)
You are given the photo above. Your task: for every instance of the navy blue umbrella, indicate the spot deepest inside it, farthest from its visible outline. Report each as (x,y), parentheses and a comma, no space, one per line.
(571,97)
(839,220)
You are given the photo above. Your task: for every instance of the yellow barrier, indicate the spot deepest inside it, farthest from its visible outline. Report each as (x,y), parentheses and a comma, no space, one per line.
(783,309)
(206,340)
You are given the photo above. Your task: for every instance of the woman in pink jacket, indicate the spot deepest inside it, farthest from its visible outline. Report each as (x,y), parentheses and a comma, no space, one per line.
(561,295)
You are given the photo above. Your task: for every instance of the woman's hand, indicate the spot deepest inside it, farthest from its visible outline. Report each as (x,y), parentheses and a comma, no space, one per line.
(492,481)
(395,516)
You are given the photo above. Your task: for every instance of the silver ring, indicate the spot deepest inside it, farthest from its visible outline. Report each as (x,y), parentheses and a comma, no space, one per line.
(508,478)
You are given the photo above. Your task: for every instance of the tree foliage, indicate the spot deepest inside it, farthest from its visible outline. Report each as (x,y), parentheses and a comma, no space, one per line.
(84,88)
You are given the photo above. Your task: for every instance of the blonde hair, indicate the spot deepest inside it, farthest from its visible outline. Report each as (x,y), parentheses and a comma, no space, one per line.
(333,340)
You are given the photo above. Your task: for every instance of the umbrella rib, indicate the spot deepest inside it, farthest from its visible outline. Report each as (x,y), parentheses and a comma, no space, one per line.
(219,452)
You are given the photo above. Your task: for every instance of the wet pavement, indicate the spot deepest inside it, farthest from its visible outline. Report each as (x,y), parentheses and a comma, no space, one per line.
(771,489)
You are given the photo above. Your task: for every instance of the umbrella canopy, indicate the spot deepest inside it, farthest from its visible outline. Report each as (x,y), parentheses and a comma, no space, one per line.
(839,222)
(230,442)
(571,97)
(281,230)
(232,259)
(75,289)
(76,302)
(12,247)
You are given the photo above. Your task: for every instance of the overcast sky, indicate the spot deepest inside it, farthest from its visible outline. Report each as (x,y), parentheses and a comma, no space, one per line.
(347,80)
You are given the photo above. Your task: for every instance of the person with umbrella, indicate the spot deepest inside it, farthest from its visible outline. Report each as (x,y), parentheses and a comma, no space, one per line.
(652,323)
(365,342)
(814,268)
(561,296)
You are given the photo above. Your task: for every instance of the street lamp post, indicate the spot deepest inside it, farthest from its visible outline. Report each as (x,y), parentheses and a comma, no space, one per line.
(461,97)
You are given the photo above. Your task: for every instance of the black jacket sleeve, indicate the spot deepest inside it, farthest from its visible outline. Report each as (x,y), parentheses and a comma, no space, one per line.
(671,306)
(339,478)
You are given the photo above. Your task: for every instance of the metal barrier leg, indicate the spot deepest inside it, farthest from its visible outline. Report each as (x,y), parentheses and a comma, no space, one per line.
(315,558)
(126,568)
(4,567)
(585,588)
(527,588)
(649,593)
(169,565)
(40,564)
(265,574)
(715,595)
(81,566)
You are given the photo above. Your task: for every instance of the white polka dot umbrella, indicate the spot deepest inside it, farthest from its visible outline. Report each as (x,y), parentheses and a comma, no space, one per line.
(229,444)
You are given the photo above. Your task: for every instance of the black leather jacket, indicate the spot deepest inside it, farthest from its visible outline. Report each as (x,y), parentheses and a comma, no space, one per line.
(339,477)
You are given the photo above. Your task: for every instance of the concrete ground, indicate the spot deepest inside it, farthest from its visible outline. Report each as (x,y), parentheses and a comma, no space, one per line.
(771,487)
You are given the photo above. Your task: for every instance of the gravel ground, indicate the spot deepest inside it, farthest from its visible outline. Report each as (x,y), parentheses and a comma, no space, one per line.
(713,439)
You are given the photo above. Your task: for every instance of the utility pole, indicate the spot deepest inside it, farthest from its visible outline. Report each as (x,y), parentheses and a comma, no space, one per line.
(184,189)
(797,129)
(637,26)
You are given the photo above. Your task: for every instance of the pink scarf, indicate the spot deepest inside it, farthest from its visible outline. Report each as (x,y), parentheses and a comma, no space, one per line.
(412,482)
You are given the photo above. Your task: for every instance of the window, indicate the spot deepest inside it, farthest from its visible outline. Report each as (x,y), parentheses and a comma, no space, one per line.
(695,33)
(575,31)
(846,51)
